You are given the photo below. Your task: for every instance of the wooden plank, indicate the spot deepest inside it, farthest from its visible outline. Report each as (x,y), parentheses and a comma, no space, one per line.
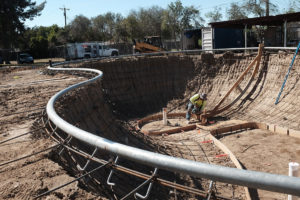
(282,130)
(294,133)
(239,80)
(233,128)
(232,157)
(171,131)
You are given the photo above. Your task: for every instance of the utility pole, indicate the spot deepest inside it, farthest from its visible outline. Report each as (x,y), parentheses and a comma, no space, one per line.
(65,14)
(267,7)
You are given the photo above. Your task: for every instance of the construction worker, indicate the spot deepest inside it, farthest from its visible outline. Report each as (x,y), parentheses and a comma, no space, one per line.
(196,105)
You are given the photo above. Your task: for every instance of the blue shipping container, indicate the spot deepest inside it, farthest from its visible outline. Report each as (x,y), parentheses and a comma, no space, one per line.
(228,38)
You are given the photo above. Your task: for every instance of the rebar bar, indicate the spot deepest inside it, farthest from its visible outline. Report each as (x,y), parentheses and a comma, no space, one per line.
(27,156)
(260,180)
(68,183)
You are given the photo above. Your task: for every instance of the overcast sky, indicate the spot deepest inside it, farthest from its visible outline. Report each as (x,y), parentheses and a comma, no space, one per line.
(91,8)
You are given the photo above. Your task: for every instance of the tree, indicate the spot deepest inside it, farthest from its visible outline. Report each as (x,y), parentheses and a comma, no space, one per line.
(144,22)
(132,26)
(13,14)
(110,26)
(191,18)
(99,28)
(259,8)
(215,15)
(150,20)
(236,11)
(294,6)
(177,18)
(40,41)
(120,34)
(12,22)
(80,29)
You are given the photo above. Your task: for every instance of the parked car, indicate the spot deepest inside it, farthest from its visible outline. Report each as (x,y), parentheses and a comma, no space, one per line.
(25,58)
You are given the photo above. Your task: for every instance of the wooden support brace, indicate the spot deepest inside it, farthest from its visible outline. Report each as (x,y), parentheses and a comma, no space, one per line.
(239,80)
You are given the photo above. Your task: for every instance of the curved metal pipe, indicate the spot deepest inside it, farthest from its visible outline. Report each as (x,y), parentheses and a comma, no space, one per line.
(252,179)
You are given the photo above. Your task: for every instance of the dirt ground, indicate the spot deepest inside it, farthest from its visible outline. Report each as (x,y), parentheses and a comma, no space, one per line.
(264,151)
(24,94)
(135,89)
(36,61)
(257,150)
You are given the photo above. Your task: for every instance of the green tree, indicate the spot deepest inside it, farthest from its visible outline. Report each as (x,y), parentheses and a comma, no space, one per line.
(120,34)
(98,28)
(236,11)
(13,14)
(258,8)
(215,15)
(80,29)
(12,17)
(40,41)
(144,22)
(191,18)
(133,26)
(294,6)
(110,26)
(150,20)
(177,18)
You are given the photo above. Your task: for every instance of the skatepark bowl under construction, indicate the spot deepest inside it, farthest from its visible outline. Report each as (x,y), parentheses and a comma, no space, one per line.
(97,126)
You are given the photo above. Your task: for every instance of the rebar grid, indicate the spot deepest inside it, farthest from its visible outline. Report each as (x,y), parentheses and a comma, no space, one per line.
(248,178)
(58,139)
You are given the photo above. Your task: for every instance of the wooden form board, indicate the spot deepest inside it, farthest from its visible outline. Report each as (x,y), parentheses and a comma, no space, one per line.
(232,157)
(253,125)
(217,131)
(257,60)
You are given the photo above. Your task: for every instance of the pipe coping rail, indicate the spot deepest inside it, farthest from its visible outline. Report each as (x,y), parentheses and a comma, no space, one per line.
(252,179)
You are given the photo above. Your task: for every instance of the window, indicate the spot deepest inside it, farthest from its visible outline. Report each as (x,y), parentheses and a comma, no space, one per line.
(87,48)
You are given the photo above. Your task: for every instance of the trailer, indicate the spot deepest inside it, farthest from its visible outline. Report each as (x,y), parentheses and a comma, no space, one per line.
(88,50)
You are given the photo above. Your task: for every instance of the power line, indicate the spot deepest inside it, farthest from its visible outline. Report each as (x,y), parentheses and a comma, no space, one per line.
(221,4)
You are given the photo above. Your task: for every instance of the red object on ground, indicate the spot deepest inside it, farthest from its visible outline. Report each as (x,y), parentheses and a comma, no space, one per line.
(207,141)
(221,155)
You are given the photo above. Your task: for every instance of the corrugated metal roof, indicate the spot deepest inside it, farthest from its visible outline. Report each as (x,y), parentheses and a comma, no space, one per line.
(269,20)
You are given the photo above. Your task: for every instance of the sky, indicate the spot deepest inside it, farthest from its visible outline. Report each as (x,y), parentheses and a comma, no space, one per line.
(52,14)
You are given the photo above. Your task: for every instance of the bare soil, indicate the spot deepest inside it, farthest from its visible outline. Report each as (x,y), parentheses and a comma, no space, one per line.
(264,151)
(132,89)
(257,150)
(23,96)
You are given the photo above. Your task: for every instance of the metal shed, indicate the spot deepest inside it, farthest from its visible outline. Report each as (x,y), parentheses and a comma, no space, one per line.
(272,21)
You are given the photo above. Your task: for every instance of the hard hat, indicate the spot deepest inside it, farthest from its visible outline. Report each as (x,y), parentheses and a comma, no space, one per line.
(203,96)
